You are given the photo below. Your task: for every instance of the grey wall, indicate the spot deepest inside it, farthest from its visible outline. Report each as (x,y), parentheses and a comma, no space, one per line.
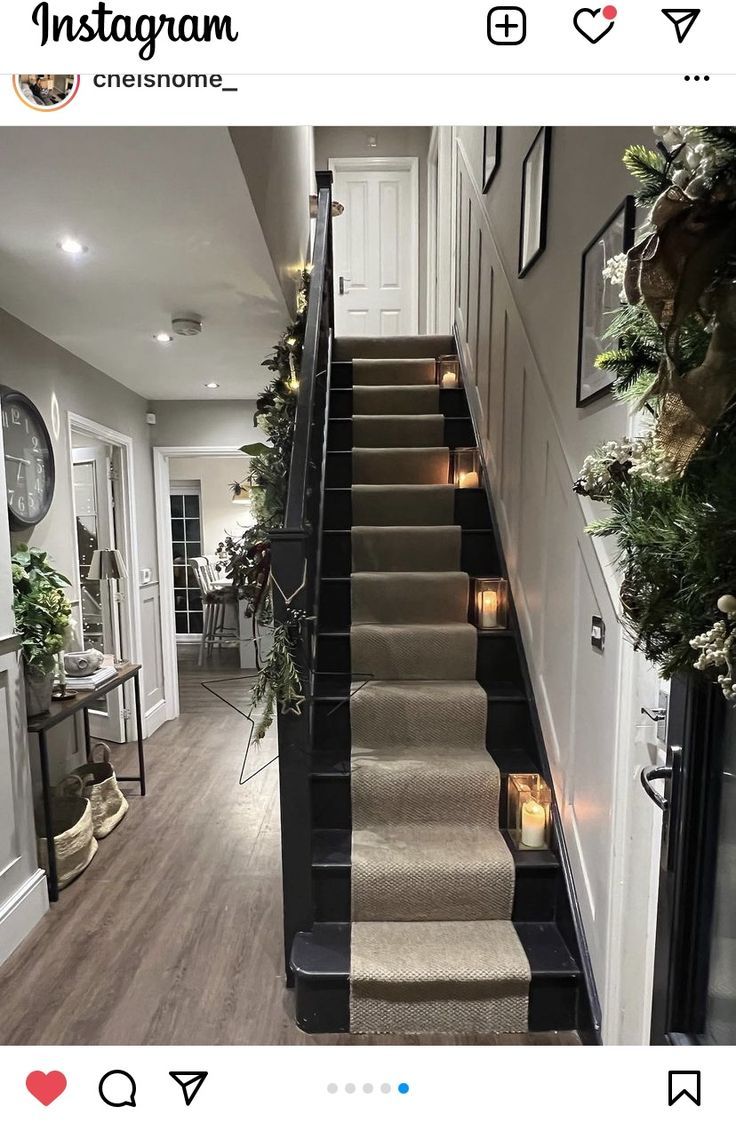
(587,182)
(405,141)
(278,164)
(46,373)
(226,424)
(58,383)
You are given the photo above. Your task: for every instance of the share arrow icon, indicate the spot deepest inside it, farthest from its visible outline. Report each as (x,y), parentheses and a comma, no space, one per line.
(190,1083)
(682,19)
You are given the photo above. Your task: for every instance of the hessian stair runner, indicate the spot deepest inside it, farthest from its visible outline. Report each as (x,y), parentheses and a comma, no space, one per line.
(433,948)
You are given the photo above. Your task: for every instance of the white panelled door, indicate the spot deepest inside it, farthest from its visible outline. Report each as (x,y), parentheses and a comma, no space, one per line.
(376,246)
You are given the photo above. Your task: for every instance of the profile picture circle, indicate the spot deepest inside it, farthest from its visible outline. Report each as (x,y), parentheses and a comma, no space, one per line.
(46,93)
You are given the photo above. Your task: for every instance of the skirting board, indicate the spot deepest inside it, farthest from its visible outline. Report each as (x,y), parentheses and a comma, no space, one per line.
(154,718)
(20,914)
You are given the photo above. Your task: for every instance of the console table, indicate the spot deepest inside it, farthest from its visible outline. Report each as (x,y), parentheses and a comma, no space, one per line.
(59,711)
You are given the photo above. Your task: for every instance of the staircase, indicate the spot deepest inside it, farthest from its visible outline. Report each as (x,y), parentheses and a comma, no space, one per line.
(408,907)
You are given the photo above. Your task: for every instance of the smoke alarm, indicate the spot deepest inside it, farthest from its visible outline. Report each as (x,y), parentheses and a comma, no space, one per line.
(186,326)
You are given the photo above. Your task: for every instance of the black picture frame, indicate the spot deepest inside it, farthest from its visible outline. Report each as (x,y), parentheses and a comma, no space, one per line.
(616,236)
(491,154)
(535,203)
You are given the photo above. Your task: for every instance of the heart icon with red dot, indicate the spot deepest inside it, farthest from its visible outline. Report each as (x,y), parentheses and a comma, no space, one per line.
(595,23)
(46,1086)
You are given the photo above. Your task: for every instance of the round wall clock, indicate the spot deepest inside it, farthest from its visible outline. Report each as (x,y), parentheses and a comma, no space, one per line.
(29,460)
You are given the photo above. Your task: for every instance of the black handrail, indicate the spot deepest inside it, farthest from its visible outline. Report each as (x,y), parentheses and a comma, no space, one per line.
(320,288)
(295,559)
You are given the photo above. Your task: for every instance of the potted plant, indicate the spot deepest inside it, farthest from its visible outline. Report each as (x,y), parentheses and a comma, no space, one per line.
(42,615)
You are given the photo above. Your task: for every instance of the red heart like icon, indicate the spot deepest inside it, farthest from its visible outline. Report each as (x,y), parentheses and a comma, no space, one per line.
(46,1086)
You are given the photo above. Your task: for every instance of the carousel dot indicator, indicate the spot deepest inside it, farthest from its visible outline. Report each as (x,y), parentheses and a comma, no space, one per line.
(368,1088)
(385,1088)
(402,1089)
(350,1088)
(332,1089)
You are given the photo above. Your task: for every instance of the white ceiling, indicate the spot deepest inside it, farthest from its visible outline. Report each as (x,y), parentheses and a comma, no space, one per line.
(171,231)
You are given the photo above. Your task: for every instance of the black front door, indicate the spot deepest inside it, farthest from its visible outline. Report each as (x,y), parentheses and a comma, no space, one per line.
(695,965)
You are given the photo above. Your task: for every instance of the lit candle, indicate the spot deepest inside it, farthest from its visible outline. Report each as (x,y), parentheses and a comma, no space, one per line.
(468,479)
(488,608)
(449,380)
(533,823)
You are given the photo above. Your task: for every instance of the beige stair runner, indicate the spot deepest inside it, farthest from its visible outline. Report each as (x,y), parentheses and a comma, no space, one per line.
(432,945)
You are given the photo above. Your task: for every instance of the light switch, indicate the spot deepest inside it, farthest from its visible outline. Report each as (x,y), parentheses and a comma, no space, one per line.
(597,633)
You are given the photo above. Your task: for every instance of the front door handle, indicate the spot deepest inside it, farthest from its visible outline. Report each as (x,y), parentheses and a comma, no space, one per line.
(342,286)
(656,772)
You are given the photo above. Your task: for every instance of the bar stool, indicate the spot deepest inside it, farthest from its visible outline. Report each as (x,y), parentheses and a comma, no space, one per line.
(216,595)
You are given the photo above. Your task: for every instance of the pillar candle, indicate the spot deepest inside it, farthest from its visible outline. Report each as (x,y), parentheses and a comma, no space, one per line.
(488,615)
(468,479)
(533,823)
(449,380)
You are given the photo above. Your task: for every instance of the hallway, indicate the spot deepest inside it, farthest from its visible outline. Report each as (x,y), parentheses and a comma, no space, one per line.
(174,936)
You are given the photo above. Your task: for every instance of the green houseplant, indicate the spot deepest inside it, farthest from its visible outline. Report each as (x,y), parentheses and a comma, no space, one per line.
(42,615)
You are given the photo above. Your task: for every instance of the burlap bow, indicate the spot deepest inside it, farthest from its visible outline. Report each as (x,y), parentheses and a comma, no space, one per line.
(675,271)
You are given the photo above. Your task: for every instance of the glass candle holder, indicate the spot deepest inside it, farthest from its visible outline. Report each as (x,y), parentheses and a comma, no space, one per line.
(529,811)
(448,372)
(465,467)
(490,601)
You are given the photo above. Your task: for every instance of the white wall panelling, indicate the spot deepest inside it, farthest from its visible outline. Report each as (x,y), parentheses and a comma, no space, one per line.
(560,581)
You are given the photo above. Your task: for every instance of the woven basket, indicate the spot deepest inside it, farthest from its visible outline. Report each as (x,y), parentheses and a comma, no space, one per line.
(109,805)
(75,843)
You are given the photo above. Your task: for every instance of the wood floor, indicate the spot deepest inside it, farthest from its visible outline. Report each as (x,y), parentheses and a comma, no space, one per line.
(173,934)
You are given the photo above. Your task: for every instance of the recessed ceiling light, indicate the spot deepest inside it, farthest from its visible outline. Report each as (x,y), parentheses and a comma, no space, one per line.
(212,385)
(72,246)
(163,337)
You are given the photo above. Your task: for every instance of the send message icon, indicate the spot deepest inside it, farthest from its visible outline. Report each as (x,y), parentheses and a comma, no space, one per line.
(189,1082)
(684,1086)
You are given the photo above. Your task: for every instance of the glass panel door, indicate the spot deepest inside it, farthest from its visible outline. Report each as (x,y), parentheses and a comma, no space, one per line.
(186,538)
(720,1014)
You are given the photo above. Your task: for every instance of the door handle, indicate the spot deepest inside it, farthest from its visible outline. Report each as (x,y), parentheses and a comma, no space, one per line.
(656,772)
(342,286)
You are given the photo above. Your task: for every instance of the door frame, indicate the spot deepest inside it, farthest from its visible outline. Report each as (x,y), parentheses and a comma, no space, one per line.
(337,164)
(440,232)
(130,611)
(688,861)
(161,483)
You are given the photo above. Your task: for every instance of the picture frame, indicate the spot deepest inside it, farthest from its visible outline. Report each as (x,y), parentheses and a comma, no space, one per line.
(534,200)
(600,299)
(491,154)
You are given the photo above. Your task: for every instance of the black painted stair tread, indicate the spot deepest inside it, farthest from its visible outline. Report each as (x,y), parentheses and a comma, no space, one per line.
(321,963)
(325,951)
(331,850)
(451,403)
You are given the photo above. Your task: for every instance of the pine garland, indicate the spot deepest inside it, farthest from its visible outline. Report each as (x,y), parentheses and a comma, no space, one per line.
(248,557)
(675,533)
